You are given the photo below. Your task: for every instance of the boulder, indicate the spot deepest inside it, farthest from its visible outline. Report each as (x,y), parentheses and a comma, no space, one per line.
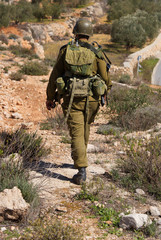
(134,221)
(12,204)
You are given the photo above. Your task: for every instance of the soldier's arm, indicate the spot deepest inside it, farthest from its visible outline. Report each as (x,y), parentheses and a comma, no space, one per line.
(57,71)
(102,71)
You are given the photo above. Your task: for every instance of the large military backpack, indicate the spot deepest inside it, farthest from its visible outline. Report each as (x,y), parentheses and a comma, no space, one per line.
(79,80)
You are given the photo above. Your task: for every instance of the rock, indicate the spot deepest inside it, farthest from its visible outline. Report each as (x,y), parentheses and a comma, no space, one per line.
(61,209)
(154,211)
(134,221)
(16,115)
(39,50)
(27,125)
(6,114)
(140,191)
(3,229)
(1,219)
(92,149)
(12,204)
(158,221)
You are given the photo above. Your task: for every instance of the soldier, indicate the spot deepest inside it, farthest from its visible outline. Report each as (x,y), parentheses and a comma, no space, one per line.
(80,77)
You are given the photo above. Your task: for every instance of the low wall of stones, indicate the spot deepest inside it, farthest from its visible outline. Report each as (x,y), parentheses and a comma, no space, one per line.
(149,51)
(132,60)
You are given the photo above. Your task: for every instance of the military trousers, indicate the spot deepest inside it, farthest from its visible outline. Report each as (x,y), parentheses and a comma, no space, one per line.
(79,121)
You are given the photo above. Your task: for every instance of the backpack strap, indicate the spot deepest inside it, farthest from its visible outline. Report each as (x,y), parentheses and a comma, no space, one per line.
(97,52)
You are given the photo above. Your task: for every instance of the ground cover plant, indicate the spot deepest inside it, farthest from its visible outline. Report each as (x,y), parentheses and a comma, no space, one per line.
(17,150)
(42,229)
(34,68)
(134,108)
(22,52)
(141,167)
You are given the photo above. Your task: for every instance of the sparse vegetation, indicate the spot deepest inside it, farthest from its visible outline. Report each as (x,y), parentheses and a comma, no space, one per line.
(30,146)
(45,230)
(134,109)
(22,52)
(17,76)
(34,68)
(142,166)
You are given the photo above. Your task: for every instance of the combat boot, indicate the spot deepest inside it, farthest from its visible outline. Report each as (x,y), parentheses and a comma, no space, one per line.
(80,177)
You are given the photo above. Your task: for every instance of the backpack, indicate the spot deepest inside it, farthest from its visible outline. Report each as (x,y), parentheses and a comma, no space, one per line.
(79,79)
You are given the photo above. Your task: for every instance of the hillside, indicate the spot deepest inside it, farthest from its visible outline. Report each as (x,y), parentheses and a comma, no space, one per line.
(22,105)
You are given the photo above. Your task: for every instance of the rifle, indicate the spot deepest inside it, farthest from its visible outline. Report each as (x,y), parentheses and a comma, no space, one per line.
(108,65)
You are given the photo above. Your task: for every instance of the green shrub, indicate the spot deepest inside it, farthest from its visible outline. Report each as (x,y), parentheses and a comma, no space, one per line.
(56,122)
(28,145)
(91,190)
(22,52)
(34,68)
(124,102)
(2,48)
(125,78)
(142,166)
(143,118)
(17,76)
(13,36)
(43,230)
(12,173)
(3,38)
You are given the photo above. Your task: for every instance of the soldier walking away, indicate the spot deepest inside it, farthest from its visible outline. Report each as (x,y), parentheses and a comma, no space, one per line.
(80,77)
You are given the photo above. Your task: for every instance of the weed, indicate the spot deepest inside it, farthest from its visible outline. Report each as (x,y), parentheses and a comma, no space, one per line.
(43,230)
(134,109)
(13,36)
(91,190)
(2,48)
(12,174)
(54,123)
(28,145)
(43,80)
(150,230)
(22,52)
(142,166)
(125,78)
(108,130)
(17,76)
(34,68)
(66,139)
(6,69)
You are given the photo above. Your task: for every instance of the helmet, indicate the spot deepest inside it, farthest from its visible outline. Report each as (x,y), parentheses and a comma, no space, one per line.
(83,27)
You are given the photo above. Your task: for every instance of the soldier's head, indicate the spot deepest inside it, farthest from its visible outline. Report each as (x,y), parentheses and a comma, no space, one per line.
(83,28)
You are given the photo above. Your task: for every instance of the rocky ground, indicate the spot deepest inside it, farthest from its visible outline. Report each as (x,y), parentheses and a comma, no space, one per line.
(22,104)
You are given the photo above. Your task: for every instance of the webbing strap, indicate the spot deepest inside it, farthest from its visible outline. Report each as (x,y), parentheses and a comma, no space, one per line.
(71,100)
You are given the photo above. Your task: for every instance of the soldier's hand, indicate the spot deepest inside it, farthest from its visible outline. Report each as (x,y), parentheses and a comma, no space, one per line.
(50,104)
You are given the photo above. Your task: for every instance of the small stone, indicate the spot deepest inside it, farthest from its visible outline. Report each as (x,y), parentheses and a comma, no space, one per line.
(12,228)
(158,221)
(92,149)
(140,191)
(154,211)
(61,209)
(3,229)
(1,219)
(6,114)
(16,115)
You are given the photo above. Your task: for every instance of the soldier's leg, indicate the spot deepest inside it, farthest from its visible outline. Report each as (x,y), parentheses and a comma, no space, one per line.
(93,109)
(76,127)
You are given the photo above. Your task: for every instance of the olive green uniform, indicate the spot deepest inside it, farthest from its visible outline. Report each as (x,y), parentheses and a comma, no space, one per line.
(78,121)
